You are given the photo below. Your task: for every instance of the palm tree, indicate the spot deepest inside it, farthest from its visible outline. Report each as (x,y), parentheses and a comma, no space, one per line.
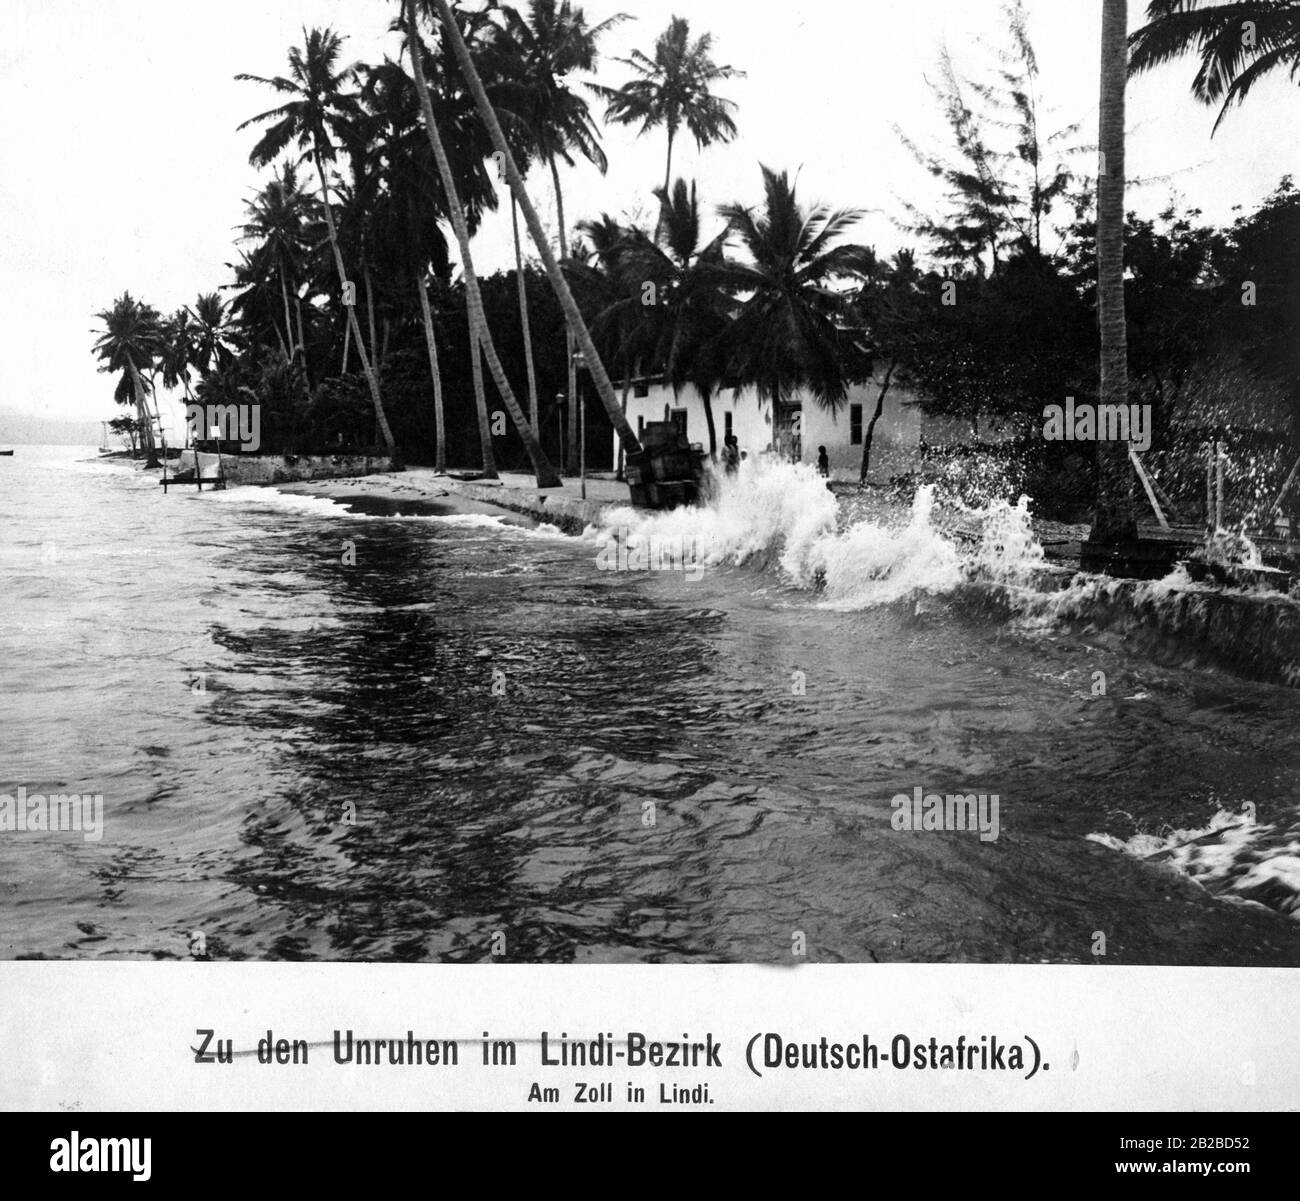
(673,89)
(889,304)
(1239,43)
(1114,520)
(610,293)
(212,347)
(572,315)
(177,358)
(279,219)
(131,343)
(789,334)
(319,108)
(539,54)
(480,335)
(692,309)
(410,244)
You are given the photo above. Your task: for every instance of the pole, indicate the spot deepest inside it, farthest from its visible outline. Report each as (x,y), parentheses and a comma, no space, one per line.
(221,471)
(1209,488)
(1218,486)
(582,439)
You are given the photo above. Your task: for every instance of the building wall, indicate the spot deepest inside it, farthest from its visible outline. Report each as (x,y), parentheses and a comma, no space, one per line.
(895,447)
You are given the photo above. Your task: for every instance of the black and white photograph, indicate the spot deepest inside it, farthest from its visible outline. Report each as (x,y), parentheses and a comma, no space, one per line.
(557,484)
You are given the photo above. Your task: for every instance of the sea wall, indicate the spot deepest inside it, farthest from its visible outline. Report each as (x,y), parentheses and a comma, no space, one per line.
(1255,634)
(284,469)
(566,513)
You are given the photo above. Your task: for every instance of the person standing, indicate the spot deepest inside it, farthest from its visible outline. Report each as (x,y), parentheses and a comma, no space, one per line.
(731,455)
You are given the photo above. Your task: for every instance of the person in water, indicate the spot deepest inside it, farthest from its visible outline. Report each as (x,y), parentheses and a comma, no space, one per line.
(823,463)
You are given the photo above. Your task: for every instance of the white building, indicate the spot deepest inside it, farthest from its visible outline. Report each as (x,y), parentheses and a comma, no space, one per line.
(896,445)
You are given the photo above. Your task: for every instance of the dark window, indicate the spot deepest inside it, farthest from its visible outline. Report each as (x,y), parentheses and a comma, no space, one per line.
(855,425)
(728,421)
(640,427)
(641,389)
(678,418)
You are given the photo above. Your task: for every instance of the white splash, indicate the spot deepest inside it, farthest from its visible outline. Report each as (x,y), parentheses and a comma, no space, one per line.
(1231,856)
(782,515)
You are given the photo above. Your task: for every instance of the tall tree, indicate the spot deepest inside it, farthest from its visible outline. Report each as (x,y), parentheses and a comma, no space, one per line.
(1239,43)
(789,335)
(610,291)
(689,309)
(278,219)
(540,53)
(1038,162)
(559,284)
(1114,520)
(674,89)
(411,245)
(480,335)
(131,344)
(978,223)
(212,343)
(320,107)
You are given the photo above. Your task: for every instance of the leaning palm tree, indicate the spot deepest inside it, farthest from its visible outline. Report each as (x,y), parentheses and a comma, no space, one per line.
(1114,519)
(789,333)
(673,90)
(131,343)
(610,292)
(320,108)
(1239,43)
(410,244)
(572,315)
(538,55)
(480,335)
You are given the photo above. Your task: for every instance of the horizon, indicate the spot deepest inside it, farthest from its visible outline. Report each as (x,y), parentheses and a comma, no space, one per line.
(190,164)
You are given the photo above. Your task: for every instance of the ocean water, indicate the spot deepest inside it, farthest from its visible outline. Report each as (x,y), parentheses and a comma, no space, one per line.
(346,735)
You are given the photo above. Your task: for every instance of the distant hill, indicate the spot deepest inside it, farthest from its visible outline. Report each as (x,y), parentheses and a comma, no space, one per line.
(18,428)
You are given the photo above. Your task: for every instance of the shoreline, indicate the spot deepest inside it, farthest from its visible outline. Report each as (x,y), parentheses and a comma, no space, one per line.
(421,491)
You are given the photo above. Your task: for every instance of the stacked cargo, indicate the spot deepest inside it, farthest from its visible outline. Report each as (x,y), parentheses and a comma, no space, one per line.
(669,473)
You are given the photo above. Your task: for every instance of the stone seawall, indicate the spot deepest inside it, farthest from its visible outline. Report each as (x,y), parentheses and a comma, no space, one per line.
(566,513)
(284,469)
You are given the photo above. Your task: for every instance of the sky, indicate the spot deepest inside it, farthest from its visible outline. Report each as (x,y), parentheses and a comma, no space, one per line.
(123,169)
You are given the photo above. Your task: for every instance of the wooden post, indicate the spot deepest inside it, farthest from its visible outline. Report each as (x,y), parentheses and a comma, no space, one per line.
(1146,484)
(1218,486)
(579,361)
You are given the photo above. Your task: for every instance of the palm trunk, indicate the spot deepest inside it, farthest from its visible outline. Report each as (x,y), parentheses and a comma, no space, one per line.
(869,437)
(713,429)
(347,343)
(571,376)
(627,390)
(439,426)
(480,335)
(376,358)
(486,450)
(668,183)
(288,326)
(371,381)
(1114,519)
(524,318)
(572,314)
(146,422)
(302,344)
